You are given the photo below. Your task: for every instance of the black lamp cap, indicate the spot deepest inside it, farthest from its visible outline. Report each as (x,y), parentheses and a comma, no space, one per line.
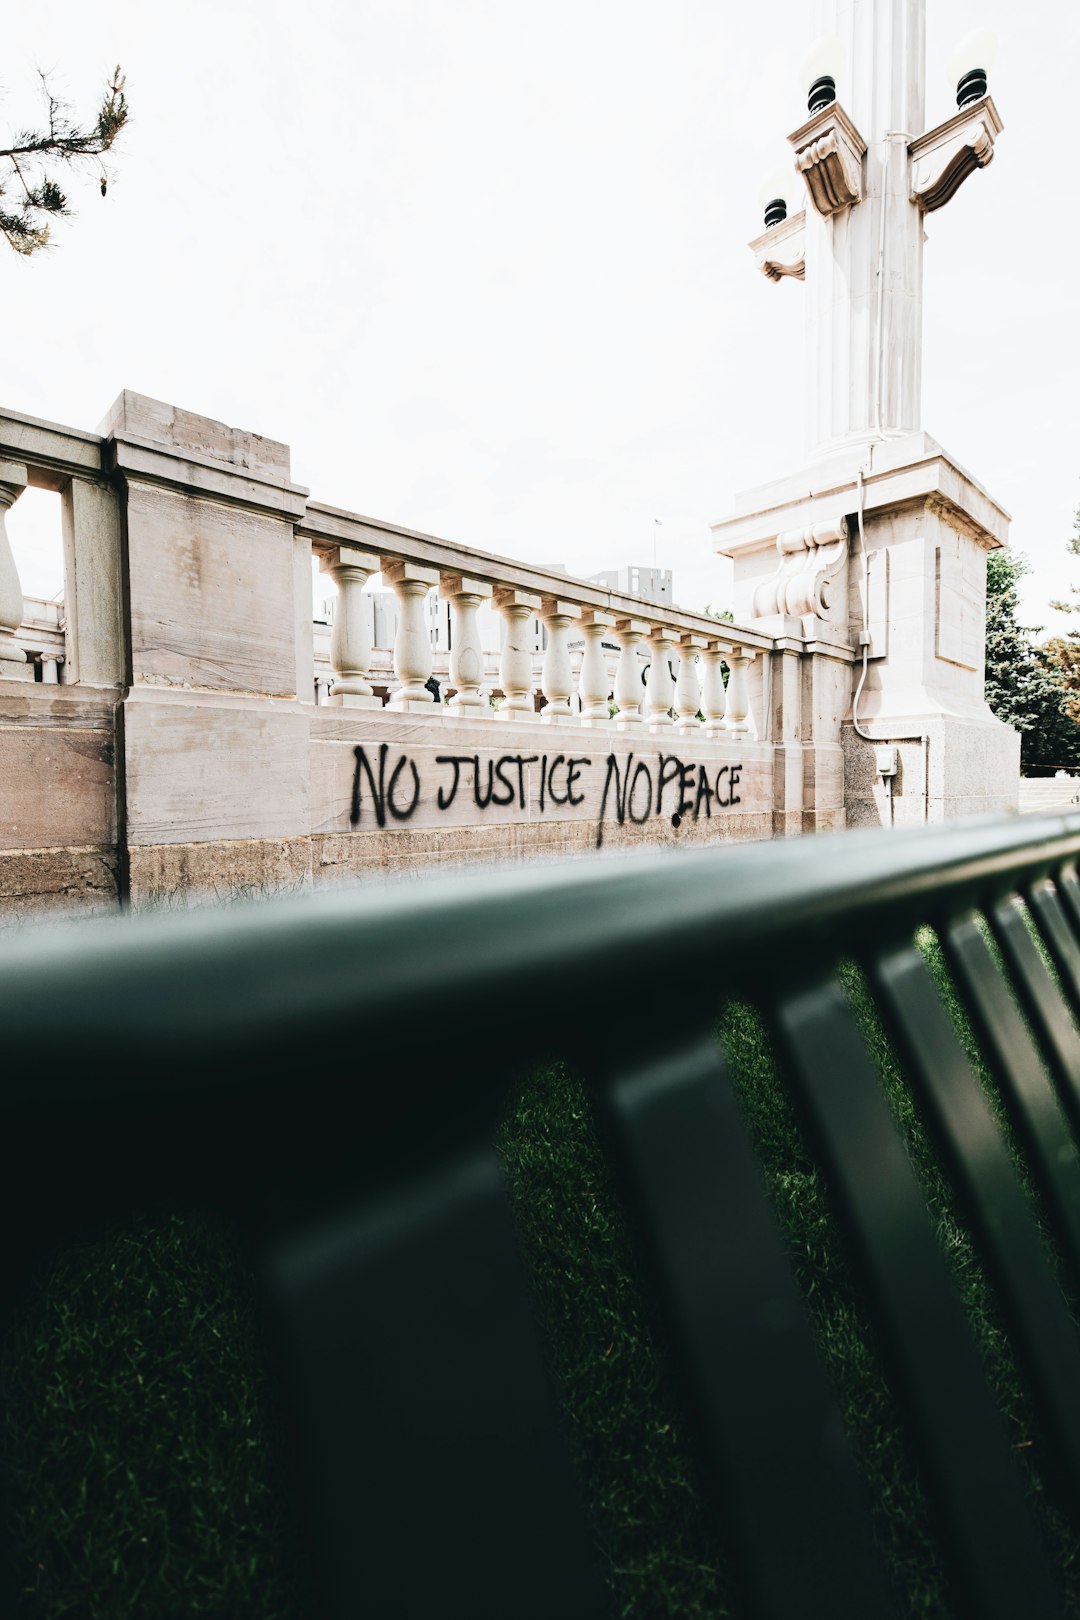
(775,213)
(822,92)
(972,87)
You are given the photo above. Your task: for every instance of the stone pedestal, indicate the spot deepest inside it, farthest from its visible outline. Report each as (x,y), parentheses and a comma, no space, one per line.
(211,732)
(915,601)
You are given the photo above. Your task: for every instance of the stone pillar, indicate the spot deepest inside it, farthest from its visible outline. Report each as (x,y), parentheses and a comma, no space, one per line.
(466,654)
(713,695)
(215,719)
(515,665)
(628,691)
(95,642)
(350,641)
(13,665)
(593,682)
(412,645)
(660,690)
(50,668)
(688,695)
(558,678)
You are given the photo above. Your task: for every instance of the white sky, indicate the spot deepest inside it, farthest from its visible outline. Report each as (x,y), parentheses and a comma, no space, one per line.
(484,266)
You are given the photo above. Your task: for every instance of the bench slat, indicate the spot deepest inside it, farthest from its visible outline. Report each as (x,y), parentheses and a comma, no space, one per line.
(768,1422)
(989,1536)
(959,1118)
(1033,1106)
(432,1455)
(1054,1026)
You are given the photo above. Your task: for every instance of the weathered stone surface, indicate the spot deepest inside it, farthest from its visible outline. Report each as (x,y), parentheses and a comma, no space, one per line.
(137,416)
(213,770)
(57,882)
(974,769)
(337,858)
(178,875)
(212,595)
(57,786)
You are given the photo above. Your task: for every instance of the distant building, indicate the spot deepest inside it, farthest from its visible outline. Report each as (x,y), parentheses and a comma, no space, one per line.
(654,584)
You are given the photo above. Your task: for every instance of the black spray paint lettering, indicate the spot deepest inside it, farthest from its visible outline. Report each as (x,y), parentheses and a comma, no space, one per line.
(628,795)
(508,779)
(627,785)
(384,794)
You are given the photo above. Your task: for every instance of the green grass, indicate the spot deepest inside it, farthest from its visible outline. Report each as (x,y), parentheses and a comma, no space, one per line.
(139,1427)
(138,1433)
(624,1423)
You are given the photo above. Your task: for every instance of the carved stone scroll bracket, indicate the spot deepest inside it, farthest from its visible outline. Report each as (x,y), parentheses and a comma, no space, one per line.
(942,159)
(808,577)
(781,251)
(829,154)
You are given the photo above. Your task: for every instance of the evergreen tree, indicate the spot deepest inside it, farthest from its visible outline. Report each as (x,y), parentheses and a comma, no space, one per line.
(1025,686)
(30,194)
(1063,652)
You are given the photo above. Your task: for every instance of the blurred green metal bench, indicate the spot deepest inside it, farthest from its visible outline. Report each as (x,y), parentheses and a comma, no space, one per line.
(330,1072)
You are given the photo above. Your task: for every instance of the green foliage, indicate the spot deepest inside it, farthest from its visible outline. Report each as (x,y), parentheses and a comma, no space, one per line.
(29,194)
(1025,687)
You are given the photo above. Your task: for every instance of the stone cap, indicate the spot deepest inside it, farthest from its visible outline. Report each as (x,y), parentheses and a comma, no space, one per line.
(136,416)
(153,442)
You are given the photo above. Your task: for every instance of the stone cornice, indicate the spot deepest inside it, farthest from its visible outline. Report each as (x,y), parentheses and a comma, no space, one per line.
(149,441)
(781,250)
(142,462)
(901,472)
(52,454)
(942,159)
(829,155)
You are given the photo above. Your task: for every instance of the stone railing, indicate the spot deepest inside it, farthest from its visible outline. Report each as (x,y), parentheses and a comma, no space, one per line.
(353,549)
(183,747)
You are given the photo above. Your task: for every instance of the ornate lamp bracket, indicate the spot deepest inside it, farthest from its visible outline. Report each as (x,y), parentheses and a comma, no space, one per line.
(781,250)
(942,159)
(829,154)
(810,560)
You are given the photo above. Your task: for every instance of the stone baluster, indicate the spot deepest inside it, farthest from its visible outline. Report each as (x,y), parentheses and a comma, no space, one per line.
(593,683)
(412,645)
(557,680)
(628,692)
(515,665)
(50,668)
(688,685)
(713,696)
(350,638)
(660,688)
(738,693)
(466,654)
(13,664)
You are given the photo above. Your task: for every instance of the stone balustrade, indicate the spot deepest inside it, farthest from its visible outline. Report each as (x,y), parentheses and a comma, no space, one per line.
(180,721)
(668,675)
